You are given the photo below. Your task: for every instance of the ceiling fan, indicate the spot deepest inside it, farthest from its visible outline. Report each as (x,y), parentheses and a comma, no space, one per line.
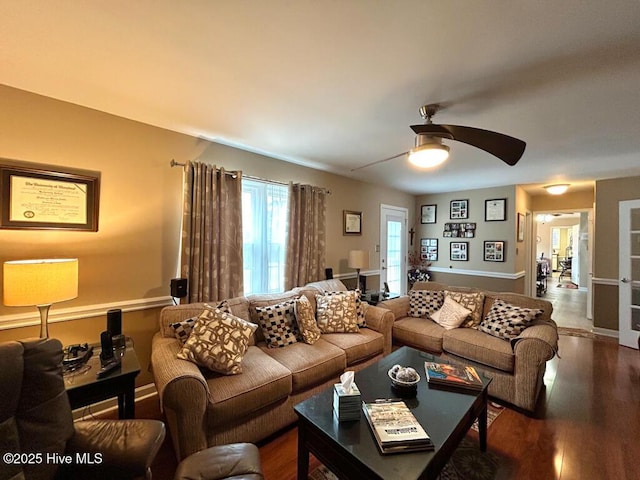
(429,150)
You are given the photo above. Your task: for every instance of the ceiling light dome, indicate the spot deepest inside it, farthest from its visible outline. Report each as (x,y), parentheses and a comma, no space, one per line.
(428,152)
(557,189)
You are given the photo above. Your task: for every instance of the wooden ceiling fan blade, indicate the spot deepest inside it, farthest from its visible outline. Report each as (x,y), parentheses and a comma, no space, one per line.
(378,161)
(506,148)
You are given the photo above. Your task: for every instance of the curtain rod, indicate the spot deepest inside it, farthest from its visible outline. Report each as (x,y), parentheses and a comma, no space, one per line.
(174,163)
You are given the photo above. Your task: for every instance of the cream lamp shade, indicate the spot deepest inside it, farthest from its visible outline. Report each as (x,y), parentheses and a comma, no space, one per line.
(358,259)
(40,283)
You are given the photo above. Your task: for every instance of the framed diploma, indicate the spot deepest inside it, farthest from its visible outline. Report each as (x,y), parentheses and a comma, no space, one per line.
(495,210)
(35,198)
(352,222)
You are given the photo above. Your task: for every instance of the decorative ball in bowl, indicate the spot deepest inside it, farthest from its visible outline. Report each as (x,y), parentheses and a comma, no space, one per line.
(404,378)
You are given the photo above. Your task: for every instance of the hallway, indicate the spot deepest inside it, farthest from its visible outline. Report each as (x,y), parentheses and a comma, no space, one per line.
(569,305)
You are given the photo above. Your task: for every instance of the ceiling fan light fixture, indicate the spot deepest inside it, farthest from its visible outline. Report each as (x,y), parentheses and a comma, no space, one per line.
(557,189)
(428,152)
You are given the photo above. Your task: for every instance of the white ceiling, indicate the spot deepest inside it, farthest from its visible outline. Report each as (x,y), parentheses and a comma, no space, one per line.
(335,84)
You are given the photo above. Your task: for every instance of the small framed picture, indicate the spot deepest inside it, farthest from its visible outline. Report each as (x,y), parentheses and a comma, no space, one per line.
(429,249)
(520,227)
(459,251)
(494,251)
(428,214)
(459,209)
(495,210)
(352,222)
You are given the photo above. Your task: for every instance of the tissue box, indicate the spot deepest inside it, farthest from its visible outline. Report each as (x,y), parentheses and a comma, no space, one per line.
(346,406)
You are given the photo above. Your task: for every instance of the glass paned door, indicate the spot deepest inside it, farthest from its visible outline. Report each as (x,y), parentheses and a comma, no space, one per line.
(629,270)
(393,262)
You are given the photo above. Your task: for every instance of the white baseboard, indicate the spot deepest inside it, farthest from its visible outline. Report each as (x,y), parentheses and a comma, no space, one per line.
(141,393)
(607,332)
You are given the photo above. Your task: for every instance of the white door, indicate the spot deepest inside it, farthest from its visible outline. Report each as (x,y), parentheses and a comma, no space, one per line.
(629,271)
(393,248)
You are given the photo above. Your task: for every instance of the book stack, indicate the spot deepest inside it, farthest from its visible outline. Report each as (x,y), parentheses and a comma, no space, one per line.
(395,428)
(456,376)
(346,405)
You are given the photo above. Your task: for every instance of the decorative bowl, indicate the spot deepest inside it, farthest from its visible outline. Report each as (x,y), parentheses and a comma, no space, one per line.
(401,384)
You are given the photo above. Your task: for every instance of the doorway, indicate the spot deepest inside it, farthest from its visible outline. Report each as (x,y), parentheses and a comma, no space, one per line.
(629,272)
(393,249)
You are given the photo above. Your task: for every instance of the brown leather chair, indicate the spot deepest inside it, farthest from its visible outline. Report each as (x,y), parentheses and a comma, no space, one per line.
(36,421)
(237,461)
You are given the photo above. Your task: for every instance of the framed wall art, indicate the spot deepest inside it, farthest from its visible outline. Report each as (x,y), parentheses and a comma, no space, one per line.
(35,197)
(520,227)
(459,251)
(459,230)
(494,251)
(495,210)
(352,222)
(429,249)
(459,209)
(428,213)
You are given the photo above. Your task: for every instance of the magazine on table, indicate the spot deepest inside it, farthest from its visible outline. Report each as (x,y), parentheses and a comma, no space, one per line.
(465,377)
(395,428)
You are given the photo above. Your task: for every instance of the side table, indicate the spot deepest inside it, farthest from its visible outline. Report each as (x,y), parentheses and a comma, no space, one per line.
(84,388)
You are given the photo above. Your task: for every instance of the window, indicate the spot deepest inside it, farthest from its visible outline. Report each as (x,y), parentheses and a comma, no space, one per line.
(264,220)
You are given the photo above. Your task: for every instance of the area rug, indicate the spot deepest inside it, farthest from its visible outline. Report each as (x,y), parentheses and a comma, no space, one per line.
(569,285)
(493,410)
(466,463)
(576,332)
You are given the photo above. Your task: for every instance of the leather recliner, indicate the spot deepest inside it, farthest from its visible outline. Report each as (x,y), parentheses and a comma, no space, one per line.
(37,427)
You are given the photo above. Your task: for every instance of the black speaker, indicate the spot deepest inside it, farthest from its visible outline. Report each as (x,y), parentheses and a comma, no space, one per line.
(106,347)
(179,287)
(328,273)
(114,322)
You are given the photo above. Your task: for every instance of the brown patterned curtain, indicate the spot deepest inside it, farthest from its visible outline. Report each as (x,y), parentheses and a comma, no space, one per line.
(306,235)
(211,257)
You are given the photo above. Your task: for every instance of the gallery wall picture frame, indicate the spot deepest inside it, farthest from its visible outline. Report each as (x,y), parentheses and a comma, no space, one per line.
(428,214)
(352,222)
(494,251)
(520,227)
(429,249)
(459,209)
(495,210)
(35,197)
(459,251)
(459,230)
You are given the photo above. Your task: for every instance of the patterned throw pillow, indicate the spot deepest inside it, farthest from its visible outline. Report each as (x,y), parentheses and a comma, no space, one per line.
(507,321)
(182,330)
(336,312)
(361,307)
(306,320)
(422,303)
(218,341)
(278,324)
(451,315)
(473,301)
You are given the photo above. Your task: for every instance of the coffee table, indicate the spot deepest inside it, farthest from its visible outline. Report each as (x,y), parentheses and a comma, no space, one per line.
(349,450)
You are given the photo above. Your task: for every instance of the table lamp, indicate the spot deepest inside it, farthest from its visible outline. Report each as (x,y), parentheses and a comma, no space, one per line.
(358,259)
(40,283)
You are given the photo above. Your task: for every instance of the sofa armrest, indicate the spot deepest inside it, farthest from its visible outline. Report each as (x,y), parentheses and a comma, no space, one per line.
(398,306)
(184,395)
(117,448)
(381,320)
(544,334)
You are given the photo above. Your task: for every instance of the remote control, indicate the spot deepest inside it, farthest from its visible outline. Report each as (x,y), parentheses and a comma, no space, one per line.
(107,368)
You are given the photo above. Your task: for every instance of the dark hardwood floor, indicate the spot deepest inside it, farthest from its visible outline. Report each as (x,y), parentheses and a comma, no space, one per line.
(587,425)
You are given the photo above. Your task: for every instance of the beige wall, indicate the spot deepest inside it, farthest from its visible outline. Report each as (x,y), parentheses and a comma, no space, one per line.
(579,200)
(134,254)
(608,195)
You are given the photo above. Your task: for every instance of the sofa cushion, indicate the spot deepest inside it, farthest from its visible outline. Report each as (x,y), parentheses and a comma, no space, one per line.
(422,333)
(310,365)
(306,320)
(218,341)
(263,382)
(474,301)
(278,324)
(264,300)
(479,347)
(358,347)
(336,312)
(183,329)
(507,321)
(422,303)
(451,315)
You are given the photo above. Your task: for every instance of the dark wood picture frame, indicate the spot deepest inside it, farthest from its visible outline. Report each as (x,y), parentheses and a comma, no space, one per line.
(520,227)
(428,214)
(351,222)
(429,249)
(48,198)
(495,210)
(495,250)
(459,209)
(459,251)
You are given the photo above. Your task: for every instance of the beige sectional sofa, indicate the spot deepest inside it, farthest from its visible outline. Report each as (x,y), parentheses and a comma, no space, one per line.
(204,408)
(517,366)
